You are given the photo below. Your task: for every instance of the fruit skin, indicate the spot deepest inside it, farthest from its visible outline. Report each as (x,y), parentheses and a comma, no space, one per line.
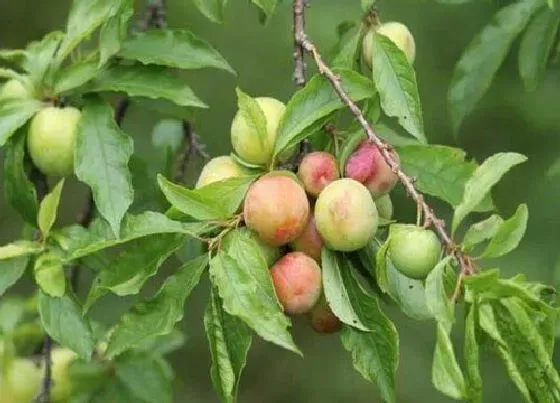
(297,282)
(345,215)
(219,169)
(270,253)
(367,166)
(14,89)
(21,382)
(398,33)
(245,140)
(52,140)
(309,241)
(322,318)
(414,251)
(317,170)
(61,359)
(385,207)
(276,208)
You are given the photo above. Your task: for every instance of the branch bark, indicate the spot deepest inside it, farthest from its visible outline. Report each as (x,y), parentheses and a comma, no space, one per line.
(299,57)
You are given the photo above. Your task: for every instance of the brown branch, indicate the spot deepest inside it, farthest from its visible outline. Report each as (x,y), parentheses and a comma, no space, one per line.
(299,58)
(430,218)
(192,146)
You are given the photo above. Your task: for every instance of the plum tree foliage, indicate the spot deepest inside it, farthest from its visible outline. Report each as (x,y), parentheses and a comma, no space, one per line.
(296,221)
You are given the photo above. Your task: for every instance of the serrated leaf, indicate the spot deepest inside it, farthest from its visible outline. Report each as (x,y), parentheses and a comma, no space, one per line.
(12,311)
(267,6)
(14,113)
(509,234)
(229,339)
(253,116)
(39,57)
(375,354)
(101,161)
(349,145)
(216,201)
(48,209)
(19,192)
(535,47)
(75,75)
(146,81)
(212,9)
(11,271)
(145,377)
(447,376)
(345,58)
(482,181)
(409,294)
(381,275)
(157,315)
(49,274)
(185,50)
(241,275)
(482,231)
(483,57)
(472,356)
(441,171)
(436,298)
(63,321)
(316,101)
(395,80)
(19,248)
(114,31)
(340,288)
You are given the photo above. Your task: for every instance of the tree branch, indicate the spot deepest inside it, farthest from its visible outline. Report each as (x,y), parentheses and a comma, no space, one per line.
(192,146)
(299,59)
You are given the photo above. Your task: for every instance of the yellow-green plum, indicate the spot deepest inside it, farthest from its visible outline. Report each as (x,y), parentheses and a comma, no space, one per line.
(309,241)
(398,33)
(322,318)
(62,387)
(297,281)
(385,207)
(276,208)
(219,169)
(244,138)
(51,140)
(317,170)
(414,250)
(14,89)
(20,382)
(346,215)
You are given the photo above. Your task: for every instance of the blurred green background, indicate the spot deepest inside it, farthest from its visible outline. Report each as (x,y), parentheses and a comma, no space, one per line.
(508,119)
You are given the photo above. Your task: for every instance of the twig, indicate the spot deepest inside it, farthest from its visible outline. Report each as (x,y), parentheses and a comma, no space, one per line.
(192,146)
(299,60)
(430,218)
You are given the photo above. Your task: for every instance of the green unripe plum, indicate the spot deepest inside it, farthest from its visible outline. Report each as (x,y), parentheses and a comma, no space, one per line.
(398,33)
(276,208)
(21,382)
(414,250)
(309,241)
(244,138)
(14,89)
(317,170)
(384,207)
(51,140)
(346,215)
(297,281)
(322,318)
(219,169)
(61,359)
(270,253)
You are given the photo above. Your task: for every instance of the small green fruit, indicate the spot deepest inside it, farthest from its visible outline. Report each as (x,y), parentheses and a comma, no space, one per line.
(14,89)
(52,140)
(61,359)
(398,33)
(219,169)
(414,250)
(20,383)
(384,207)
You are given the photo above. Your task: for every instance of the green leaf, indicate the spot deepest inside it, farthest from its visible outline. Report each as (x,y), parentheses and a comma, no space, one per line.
(11,271)
(349,145)
(216,201)
(509,234)
(19,192)
(316,101)
(229,339)
(409,294)
(436,298)
(483,57)
(446,373)
(472,356)
(157,315)
(101,161)
(63,321)
(253,115)
(14,113)
(482,231)
(241,275)
(12,311)
(482,181)
(212,9)
(39,57)
(367,4)
(268,6)
(340,288)
(19,248)
(85,17)
(375,354)
(535,47)
(49,274)
(75,75)
(145,377)
(395,80)
(346,56)
(381,263)
(146,81)
(441,171)
(48,209)
(114,31)
(184,50)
